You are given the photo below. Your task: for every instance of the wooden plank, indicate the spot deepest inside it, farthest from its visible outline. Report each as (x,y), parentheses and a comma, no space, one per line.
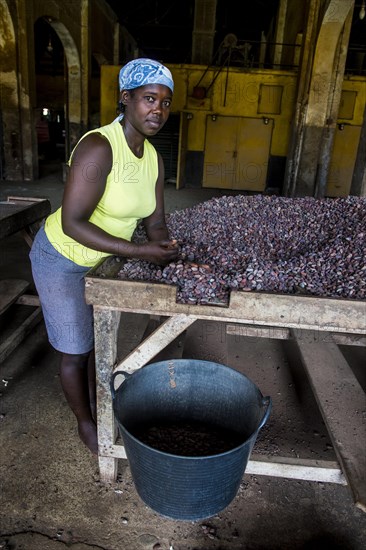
(19,334)
(348,339)
(285,334)
(305,312)
(158,340)
(30,232)
(106,325)
(17,213)
(20,200)
(173,350)
(258,332)
(118,451)
(28,300)
(342,403)
(10,290)
(297,468)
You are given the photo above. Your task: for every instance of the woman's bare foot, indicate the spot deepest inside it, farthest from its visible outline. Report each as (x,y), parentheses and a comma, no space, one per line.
(88,435)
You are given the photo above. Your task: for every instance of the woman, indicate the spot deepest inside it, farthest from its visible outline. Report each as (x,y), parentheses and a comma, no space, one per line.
(116,179)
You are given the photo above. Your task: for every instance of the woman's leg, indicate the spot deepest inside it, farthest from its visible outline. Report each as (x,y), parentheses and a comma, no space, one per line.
(69,321)
(75,384)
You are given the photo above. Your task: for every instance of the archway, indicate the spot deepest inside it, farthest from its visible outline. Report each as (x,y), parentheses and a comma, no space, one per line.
(58,93)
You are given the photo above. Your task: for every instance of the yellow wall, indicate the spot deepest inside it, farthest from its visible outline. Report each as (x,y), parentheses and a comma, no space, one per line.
(108,93)
(239,93)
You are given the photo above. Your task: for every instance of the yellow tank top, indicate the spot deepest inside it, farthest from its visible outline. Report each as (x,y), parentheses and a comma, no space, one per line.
(129,196)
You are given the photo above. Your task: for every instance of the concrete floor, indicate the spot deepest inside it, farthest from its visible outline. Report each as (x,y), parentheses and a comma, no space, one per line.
(51,495)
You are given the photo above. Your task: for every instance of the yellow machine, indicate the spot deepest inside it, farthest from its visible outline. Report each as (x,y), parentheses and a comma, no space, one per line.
(232,127)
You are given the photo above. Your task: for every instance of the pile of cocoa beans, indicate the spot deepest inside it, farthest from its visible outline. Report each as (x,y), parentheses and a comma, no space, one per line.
(263,243)
(188,438)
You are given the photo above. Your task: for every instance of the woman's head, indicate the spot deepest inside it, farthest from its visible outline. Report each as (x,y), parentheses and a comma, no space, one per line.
(146,90)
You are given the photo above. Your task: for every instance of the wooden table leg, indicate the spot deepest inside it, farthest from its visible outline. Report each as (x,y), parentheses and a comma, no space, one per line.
(106,323)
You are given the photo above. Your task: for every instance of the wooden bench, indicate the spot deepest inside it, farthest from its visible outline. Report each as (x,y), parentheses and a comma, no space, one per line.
(22,215)
(12,292)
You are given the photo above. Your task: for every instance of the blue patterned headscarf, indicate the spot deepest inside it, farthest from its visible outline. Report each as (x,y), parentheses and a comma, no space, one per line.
(142,71)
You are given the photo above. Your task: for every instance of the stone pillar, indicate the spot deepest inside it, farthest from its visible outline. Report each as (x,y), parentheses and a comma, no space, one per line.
(334,99)
(203,32)
(10,134)
(18,135)
(26,83)
(320,84)
(280,33)
(306,59)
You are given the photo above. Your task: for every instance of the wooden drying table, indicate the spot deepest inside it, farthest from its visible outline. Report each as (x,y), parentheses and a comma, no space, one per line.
(20,215)
(315,325)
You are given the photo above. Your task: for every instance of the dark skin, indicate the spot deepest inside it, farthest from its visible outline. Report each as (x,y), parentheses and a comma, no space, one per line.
(146,111)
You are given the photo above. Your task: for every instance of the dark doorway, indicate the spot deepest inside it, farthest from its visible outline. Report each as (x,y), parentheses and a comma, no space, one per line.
(49,115)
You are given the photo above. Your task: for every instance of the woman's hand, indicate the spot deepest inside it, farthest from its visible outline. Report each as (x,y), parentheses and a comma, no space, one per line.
(159,252)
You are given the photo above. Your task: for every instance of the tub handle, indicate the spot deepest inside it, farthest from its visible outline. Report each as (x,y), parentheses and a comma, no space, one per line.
(114,376)
(266,402)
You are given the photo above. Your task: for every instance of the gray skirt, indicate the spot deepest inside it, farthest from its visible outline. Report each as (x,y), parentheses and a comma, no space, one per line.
(60,285)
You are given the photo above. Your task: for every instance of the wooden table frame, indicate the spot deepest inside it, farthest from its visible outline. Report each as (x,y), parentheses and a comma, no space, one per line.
(22,215)
(316,326)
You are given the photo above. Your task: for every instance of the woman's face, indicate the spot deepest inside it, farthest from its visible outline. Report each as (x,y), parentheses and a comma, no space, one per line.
(147,108)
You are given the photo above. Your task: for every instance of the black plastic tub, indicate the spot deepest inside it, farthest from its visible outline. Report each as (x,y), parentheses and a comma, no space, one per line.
(192,391)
